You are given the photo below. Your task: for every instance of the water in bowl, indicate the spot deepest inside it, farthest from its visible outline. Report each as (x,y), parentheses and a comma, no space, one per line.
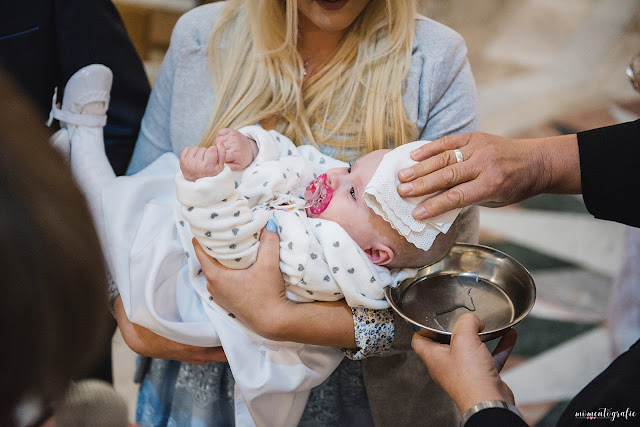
(438,301)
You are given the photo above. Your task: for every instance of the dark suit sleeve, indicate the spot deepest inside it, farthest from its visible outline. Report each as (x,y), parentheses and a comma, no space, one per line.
(91,31)
(613,393)
(610,172)
(492,417)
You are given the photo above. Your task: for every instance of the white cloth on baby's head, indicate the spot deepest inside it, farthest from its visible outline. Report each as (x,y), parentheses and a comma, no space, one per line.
(382,196)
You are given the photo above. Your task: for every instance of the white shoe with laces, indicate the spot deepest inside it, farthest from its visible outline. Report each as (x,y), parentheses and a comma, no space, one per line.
(84,103)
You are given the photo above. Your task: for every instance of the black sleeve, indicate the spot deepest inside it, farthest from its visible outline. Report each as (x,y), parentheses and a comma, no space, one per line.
(492,417)
(91,31)
(610,172)
(613,397)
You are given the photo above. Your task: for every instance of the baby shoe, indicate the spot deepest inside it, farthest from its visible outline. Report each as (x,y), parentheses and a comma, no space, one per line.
(84,103)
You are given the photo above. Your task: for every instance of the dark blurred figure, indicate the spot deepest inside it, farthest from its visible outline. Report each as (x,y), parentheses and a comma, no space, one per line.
(52,311)
(44,42)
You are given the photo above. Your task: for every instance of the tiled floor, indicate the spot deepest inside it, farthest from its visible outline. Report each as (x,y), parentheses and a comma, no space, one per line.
(543,67)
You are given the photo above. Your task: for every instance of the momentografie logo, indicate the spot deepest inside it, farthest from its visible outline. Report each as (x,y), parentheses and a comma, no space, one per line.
(605,414)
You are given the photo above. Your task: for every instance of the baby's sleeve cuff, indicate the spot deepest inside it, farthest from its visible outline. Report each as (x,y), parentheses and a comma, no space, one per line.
(204,191)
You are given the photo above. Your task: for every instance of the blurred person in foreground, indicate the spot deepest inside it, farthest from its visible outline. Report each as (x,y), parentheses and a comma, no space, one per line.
(44,42)
(53,311)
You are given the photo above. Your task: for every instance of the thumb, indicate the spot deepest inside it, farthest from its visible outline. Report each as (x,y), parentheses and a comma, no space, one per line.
(466,329)
(222,154)
(269,250)
(204,258)
(425,348)
(433,354)
(222,147)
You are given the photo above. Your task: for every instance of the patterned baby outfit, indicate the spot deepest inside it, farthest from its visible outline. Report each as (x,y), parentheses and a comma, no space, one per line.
(318,258)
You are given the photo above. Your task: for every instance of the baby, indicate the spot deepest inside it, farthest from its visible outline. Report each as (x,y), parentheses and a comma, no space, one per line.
(332,244)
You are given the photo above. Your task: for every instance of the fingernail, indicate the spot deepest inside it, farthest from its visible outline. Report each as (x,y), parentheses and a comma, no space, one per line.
(415,152)
(406,173)
(419,212)
(405,188)
(272,226)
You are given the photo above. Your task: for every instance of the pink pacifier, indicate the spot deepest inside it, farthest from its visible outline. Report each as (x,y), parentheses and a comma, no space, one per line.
(318,195)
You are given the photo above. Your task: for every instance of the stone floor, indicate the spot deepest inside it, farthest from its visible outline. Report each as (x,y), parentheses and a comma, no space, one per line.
(543,67)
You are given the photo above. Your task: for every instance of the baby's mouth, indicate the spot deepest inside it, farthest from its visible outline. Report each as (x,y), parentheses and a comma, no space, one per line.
(318,195)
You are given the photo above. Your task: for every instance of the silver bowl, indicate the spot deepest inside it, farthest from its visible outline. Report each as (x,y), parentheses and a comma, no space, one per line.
(470,278)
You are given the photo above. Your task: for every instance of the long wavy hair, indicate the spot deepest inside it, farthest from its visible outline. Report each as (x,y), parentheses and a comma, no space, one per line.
(353,102)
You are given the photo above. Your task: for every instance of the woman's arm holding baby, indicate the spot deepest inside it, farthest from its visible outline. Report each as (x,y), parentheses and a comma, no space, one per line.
(257,297)
(146,343)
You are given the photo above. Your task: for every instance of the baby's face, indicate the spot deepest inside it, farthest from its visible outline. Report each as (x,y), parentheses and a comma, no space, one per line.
(346,204)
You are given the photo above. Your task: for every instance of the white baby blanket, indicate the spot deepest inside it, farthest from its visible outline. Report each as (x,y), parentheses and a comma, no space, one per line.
(147,255)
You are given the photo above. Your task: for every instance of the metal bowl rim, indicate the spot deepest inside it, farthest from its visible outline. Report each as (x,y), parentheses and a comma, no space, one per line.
(388,290)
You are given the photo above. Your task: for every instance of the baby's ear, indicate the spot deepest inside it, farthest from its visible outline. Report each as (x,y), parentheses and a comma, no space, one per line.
(380,254)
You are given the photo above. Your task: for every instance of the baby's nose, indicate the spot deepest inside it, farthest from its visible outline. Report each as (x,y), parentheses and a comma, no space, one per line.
(331,178)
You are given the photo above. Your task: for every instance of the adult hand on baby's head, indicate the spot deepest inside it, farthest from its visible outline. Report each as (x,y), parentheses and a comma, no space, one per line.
(240,150)
(146,343)
(494,171)
(465,369)
(200,162)
(255,295)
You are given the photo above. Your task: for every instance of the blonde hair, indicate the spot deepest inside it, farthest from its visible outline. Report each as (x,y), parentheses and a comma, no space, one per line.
(353,102)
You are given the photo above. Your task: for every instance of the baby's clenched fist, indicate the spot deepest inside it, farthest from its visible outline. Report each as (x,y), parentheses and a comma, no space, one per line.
(240,150)
(199,162)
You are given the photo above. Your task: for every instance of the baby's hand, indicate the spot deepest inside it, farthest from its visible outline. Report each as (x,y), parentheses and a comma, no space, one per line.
(240,150)
(199,162)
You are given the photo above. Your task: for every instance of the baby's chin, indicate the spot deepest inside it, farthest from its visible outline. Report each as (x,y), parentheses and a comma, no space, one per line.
(312,215)
(321,215)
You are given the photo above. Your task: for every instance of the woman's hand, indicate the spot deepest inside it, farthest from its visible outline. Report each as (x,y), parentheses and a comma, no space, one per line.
(494,171)
(257,297)
(465,369)
(146,343)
